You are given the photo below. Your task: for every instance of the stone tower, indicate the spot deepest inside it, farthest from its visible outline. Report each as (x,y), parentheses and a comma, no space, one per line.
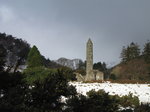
(91,74)
(89,61)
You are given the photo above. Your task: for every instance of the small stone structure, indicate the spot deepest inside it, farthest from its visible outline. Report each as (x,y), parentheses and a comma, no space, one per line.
(90,73)
(79,77)
(98,75)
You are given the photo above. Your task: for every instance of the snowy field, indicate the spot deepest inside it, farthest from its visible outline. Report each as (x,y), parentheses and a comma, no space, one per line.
(142,91)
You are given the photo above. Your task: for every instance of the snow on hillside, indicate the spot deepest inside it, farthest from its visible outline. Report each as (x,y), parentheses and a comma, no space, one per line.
(73,64)
(140,90)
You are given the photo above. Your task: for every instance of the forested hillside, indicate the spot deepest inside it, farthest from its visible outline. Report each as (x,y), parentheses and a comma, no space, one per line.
(16,51)
(135,63)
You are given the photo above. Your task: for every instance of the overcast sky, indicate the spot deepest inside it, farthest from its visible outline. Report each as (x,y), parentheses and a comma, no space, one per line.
(61,28)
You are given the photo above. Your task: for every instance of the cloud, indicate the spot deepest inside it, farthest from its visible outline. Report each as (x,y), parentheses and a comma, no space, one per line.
(6,14)
(61,28)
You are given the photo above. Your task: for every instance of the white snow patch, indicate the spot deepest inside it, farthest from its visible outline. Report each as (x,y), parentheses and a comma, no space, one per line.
(142,91)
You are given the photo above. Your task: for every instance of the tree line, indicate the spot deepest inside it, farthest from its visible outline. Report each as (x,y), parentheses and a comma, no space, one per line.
(133,51)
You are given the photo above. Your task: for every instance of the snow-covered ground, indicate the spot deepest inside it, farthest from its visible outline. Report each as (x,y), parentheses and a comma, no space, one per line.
(142,91)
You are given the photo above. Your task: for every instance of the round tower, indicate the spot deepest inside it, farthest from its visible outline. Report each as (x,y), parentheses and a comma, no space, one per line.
(89,60)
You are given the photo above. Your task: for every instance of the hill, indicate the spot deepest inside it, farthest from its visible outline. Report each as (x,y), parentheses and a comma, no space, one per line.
(135,69)
(73,64)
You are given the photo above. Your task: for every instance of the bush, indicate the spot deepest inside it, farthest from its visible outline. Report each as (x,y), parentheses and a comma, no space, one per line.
(94,102)
(42,93)
(37,74)
(127,110)
(67,73)
(143,108)
(46,96)
(113,77)
(12,92)
(129,101)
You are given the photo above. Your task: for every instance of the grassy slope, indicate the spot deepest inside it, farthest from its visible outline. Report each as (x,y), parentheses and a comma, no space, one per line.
(136,69)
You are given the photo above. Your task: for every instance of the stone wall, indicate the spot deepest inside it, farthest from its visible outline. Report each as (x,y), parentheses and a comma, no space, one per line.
(98,75)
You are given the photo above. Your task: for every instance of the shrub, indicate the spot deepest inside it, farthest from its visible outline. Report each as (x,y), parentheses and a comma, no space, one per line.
(129,101)
(37,74)
(143,108)
(46,95)
(94,102)
(113,77)
(67,73)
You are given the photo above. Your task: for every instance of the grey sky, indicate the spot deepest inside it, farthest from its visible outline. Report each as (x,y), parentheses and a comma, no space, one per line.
(60,28)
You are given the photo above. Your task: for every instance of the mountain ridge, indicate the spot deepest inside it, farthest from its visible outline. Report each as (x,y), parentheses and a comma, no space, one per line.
(71,63)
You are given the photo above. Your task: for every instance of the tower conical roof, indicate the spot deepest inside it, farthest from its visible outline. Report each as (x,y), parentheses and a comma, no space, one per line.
(89,41)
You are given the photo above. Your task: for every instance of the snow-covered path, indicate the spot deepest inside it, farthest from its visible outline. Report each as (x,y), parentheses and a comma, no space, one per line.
(140,90)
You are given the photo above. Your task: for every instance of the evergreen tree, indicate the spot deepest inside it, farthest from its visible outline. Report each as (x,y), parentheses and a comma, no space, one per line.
(134,51)
(131,52)
(104,66)
(128,54)
(123,54)
(146,52)
(34,58)
(2,57)
(100,66)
